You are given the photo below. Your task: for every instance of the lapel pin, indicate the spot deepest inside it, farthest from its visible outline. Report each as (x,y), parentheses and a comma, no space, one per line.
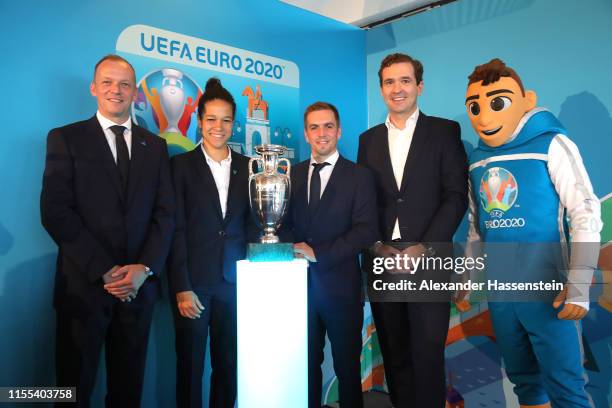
(234,171)
(142,142)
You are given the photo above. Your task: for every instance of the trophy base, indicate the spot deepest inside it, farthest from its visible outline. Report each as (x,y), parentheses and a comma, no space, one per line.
(281,251)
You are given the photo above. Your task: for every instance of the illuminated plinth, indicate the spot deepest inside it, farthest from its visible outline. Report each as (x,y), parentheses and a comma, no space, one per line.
(272,334)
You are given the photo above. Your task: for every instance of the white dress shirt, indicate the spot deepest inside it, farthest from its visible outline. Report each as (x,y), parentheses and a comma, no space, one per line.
(399,146)
(221,174)
(324,173)
(110,136)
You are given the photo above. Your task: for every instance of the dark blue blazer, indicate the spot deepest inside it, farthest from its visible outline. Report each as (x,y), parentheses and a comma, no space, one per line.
(432,198)
(95,224)
(344,223)
(206,245)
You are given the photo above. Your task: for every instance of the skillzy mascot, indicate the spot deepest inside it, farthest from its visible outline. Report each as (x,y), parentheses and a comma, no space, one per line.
(529,187)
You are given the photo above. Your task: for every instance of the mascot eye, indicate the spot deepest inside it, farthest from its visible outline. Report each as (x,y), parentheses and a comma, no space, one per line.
(474,108)
(500,103)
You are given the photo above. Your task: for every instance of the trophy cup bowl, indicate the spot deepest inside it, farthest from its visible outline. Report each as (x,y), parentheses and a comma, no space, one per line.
(269,191)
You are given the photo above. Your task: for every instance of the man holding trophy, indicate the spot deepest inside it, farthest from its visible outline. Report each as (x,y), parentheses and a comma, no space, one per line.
(333,217)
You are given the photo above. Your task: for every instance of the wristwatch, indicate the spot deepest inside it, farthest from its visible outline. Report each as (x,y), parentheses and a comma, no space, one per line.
(148,271)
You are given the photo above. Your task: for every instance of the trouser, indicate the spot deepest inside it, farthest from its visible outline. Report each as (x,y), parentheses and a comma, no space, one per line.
(124,330)
(219,316)
(342,323)
(412,337)
(542,354)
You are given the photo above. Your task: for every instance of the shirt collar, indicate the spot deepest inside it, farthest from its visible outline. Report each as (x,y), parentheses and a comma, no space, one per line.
(412,118)
(107,123)
(331,159)
(210,160)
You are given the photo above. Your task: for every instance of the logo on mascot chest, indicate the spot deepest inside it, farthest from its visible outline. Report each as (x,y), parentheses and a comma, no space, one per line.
(498,190)
(498,193)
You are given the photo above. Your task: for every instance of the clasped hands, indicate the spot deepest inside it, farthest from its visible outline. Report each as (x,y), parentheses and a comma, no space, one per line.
(123,282)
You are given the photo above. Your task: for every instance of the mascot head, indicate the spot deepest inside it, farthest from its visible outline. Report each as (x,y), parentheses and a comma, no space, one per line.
(496,101)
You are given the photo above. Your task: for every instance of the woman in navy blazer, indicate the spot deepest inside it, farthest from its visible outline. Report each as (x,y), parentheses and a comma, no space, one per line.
(213,220)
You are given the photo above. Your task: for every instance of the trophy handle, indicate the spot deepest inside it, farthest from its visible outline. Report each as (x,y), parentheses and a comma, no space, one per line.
(288,165)
(253,160)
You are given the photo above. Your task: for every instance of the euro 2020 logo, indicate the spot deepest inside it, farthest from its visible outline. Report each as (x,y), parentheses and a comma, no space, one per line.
(498,190)
(166,105)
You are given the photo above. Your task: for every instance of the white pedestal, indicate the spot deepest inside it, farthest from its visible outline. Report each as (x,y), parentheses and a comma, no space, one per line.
(272,334)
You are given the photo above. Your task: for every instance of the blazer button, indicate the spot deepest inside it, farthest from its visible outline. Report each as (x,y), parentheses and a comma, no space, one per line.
(400,200)
(222,234)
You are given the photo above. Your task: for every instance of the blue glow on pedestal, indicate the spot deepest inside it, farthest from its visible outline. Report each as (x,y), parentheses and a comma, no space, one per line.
(272,334)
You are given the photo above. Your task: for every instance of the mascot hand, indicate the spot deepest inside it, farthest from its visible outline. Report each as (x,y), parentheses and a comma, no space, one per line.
(569,311)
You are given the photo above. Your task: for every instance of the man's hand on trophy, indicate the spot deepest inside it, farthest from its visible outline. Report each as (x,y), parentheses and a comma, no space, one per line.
(303,250)
(189,305)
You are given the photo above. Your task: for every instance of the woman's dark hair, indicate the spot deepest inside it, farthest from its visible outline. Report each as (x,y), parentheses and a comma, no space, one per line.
(214,90)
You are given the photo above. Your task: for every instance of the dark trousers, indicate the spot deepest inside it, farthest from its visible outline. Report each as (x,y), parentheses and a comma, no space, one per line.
(219,316)
(124,329)
(343,325)
(412,338)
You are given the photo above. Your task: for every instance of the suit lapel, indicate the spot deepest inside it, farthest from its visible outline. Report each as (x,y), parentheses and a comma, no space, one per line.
(235,174)
(137,160)
(301,190)
(206,177)
(419,138)
(330,189)
(383,156)
(101,147)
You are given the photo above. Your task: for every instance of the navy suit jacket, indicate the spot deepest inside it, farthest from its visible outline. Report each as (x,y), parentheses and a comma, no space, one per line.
(95,224)
(345,222)
(432,198)
(206,245)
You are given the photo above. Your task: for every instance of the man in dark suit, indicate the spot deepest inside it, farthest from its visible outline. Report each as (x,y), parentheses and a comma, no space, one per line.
(213,225)
(108,203)
(333,217)
(420,168)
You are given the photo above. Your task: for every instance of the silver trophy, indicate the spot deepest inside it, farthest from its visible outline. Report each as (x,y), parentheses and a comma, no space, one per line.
(269,190)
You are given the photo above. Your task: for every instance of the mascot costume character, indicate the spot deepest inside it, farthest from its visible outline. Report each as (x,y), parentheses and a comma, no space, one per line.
(529,188)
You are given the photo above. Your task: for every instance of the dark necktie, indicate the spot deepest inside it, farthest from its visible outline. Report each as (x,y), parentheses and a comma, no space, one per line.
(123,156)
(315,186)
